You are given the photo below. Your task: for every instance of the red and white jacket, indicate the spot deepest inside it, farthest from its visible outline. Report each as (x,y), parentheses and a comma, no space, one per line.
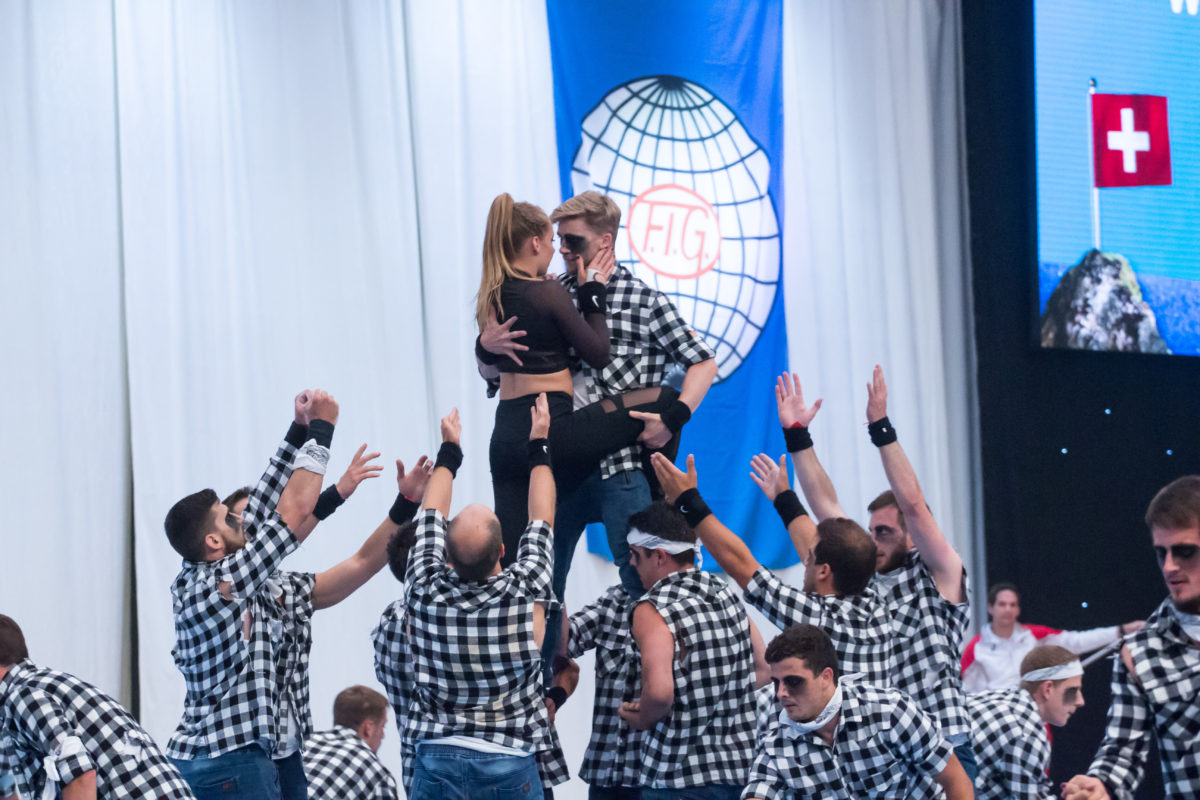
(990,662)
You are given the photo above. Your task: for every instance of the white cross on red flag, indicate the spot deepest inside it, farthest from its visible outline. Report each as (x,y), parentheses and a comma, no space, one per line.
(1130,145)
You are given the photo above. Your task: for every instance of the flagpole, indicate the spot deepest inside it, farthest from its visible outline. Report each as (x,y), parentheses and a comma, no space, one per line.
(1092,170)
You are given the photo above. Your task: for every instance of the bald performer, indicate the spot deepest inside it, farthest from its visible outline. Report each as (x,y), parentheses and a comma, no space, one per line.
(478,716)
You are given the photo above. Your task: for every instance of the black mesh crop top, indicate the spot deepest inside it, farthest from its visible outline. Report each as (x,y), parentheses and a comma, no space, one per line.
(545,311)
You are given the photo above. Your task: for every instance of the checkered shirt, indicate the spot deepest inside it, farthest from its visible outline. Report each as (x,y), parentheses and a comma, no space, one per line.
(613,755)
(41,708)
(1162,704)
(860,626)
(238,686)
(708,735)
(391,668)
(928,633)
(647,336)
(1011,746)
(341,766)
(476,669)
(884,747)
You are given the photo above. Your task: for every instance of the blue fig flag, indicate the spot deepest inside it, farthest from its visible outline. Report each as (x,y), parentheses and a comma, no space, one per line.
(674,109)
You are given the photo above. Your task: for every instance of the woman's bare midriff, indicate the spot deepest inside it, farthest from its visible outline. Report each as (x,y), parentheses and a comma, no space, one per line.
(519,384)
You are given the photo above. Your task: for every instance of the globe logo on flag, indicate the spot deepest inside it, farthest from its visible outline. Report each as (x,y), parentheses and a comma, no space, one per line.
(697,219)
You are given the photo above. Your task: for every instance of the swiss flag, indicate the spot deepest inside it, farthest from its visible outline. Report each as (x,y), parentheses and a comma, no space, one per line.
(1130,146)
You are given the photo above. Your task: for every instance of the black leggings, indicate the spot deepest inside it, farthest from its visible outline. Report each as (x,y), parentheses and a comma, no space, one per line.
(578,441)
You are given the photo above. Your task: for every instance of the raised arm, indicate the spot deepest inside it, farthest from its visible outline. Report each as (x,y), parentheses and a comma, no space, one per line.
(339,581)
(299,496)
(772,479)
(944,563)
(795,416)
(541,478)
(441,482)
(657,646)
(730,552)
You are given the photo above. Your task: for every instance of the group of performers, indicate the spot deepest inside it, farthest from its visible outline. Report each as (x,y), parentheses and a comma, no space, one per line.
(859,694)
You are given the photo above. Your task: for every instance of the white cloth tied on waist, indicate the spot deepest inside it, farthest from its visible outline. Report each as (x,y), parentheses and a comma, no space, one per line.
(71,746)
(1062,671)
(651,542)
(820,721)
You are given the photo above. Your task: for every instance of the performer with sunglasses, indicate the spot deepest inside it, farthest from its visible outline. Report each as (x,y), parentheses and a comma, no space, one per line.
(1156,680)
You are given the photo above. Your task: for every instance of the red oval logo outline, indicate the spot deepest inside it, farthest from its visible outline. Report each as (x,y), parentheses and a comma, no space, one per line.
(674,231)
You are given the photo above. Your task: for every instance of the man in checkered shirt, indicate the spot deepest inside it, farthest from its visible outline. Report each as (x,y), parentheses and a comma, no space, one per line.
(840,739)
(698,660)
(1008,726)
(919,576)
(62,737)
(475,631)
(613,758)
(648,338)
(1156,681)
(341,763)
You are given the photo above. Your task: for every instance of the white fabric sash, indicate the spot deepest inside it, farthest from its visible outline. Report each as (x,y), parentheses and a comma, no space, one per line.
(821,720)
(71,745)
(1067,670)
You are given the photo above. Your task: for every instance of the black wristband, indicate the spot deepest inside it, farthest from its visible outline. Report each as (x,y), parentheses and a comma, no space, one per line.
(676,415)
(789,507)
(402,509)
(297,434)
(692,506)
(882,432)
(328,502)
(322,431)
(449,456)
(483,355)
(591,297)
(559,695)
(538,451)
(797,438)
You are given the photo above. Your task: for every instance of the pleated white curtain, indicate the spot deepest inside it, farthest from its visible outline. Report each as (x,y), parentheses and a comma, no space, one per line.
(205,208)
(876,268)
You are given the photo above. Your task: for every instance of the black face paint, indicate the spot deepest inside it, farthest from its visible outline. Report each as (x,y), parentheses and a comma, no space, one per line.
(1179,552)
(574,243)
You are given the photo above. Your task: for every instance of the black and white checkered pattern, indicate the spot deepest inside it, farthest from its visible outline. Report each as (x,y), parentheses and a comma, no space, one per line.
(614,751)
(885,747)
(928,633)
(1162,704)
(860,626)
(647,337)
(476,668)
(708,735)
(1011,746)
(390,639)
(341,766)
(42,708)
(237,687)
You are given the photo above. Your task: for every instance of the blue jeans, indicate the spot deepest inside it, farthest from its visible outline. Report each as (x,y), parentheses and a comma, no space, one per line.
(447,772)
(613,502)
(966,755)
(712,791)
(247,773)
(614,793)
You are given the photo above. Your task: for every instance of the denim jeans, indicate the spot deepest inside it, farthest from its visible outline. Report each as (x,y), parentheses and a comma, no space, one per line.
(712,791)
(966,755)
(447,772)
(613,502)
(247,773)
(293,783)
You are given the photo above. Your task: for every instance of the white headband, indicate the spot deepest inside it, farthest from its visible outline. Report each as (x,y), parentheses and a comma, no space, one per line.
(1067,670)
(652,542)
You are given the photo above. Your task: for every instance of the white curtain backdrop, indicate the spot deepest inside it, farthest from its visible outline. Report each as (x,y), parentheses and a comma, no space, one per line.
(875,256)
(65,533)
(208,207)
